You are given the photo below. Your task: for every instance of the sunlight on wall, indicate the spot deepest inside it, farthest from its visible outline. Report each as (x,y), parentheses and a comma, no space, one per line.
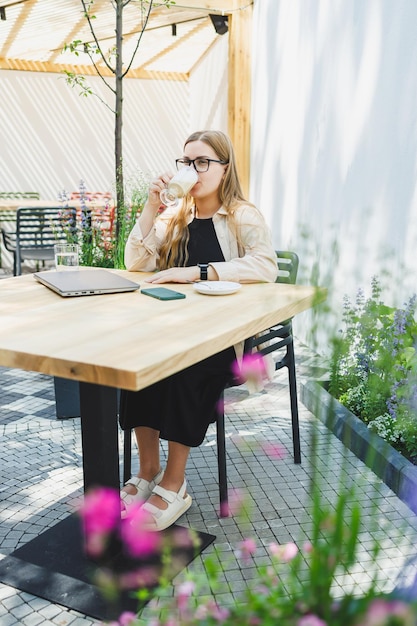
(51,137)
(334,139)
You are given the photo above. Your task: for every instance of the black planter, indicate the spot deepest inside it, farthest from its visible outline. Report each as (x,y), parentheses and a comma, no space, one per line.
(393,468)
(67,398)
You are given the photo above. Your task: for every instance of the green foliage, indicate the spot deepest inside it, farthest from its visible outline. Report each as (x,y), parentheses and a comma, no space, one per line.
(374,367)
(96,228)
(296,587)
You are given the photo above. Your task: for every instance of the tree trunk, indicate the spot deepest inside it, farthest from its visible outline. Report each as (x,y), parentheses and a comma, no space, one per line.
(120,208)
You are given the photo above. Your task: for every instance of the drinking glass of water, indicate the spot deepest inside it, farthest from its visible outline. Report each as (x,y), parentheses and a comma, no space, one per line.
(66,256)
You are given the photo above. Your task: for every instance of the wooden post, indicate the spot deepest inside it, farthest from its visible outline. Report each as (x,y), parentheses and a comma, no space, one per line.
(240,67)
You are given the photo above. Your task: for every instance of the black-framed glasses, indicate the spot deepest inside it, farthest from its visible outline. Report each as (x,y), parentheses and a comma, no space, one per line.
(200,164)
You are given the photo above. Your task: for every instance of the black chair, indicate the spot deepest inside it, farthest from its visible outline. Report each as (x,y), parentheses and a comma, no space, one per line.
(37,230)
(278,339)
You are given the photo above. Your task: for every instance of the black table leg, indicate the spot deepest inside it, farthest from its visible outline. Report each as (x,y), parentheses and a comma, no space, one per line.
(99,431)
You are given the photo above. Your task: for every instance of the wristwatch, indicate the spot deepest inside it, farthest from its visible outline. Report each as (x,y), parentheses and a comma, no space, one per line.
(203,270)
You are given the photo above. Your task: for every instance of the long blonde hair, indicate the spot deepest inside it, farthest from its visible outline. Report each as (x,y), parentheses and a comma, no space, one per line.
(174,249)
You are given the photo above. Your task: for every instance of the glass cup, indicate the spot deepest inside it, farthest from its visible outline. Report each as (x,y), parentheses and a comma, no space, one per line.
(66,256)
(179,185)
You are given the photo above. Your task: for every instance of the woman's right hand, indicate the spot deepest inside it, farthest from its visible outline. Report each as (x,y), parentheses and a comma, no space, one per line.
(155,188)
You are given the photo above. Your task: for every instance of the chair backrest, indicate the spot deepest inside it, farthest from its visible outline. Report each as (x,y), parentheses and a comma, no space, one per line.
(42,227)
(19,195)
(287,267)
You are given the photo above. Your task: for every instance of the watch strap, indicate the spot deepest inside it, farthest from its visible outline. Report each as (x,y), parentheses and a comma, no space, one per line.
(203,271)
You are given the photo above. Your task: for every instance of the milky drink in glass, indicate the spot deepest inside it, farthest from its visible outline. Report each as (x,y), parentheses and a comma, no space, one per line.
(179,185)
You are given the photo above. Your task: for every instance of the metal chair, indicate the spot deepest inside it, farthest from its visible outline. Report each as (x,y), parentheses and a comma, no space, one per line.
(37,230)
(278,339)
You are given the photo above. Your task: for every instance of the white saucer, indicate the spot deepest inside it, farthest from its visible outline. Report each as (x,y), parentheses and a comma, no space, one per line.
(216,287)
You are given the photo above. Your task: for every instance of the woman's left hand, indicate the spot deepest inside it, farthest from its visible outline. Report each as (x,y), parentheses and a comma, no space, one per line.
(176,275)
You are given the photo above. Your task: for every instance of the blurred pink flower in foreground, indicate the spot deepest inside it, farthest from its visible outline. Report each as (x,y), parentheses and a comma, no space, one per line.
(383,612)
(251,368)
(234,505)
(311,620)
(274,450)
(100,513)
(286,552)
(139,540)
(246,549)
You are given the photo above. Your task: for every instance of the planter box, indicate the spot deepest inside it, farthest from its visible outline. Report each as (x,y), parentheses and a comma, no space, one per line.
(67,398)
(396,471)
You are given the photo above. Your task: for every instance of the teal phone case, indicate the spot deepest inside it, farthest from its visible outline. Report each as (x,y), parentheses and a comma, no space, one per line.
(162,293)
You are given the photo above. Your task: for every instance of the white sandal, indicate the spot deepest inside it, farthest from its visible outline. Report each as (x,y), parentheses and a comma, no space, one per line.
(143,487)
(178,504)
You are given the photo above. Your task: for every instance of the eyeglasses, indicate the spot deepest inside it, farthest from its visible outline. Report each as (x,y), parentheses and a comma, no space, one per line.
(200,164)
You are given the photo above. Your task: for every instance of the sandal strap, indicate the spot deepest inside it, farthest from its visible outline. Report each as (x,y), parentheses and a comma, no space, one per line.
(170,496)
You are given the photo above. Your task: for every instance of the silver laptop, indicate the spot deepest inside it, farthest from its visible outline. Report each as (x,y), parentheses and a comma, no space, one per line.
(85,282)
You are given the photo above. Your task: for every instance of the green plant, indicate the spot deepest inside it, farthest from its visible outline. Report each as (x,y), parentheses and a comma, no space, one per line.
(374,367)
(296,587)
(101,245)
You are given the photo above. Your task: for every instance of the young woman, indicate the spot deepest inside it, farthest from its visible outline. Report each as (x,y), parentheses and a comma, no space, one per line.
(214,235)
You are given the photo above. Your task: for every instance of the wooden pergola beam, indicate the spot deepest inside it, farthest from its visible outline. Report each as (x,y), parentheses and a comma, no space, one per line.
(239,97)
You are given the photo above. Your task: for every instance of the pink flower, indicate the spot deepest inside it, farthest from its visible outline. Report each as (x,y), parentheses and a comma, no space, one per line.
(252,368)
(381,611)
(246,549)
(235,504)
(311,620)
(100,513)
(284,552)
(138,539)
(274,450)
(307,547)
(184,592)
(127,618)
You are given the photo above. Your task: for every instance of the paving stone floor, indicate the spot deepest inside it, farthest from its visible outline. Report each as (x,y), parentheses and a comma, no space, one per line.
(41,478)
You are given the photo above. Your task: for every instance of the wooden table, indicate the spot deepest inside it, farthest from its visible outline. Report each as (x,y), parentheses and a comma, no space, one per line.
(128,341)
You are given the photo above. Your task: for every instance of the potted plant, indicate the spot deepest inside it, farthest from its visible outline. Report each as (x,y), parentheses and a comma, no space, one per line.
(370,400)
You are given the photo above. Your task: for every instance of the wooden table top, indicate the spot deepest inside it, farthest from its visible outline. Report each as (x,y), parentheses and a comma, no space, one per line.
(130,340)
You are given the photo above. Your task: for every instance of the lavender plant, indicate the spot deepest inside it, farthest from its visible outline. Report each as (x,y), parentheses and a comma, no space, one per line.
(96,226)
(374,367)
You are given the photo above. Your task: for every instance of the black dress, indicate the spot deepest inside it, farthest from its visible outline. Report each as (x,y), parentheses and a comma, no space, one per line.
(182,406)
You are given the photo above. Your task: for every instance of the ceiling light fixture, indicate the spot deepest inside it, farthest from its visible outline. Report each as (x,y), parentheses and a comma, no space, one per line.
(220,23)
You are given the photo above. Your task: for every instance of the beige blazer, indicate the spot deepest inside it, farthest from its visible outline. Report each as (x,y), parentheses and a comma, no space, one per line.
(252,260)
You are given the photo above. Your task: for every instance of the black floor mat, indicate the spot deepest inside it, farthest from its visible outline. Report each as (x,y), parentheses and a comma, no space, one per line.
(53,566)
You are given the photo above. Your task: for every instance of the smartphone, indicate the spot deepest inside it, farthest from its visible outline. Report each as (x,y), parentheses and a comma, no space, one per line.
(162,293)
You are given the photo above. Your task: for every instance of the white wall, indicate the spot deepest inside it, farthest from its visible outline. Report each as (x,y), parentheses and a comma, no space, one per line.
(334,138)
(51,137)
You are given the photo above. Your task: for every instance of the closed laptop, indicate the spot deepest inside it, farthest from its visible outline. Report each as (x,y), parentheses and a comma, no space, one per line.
(85,282)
